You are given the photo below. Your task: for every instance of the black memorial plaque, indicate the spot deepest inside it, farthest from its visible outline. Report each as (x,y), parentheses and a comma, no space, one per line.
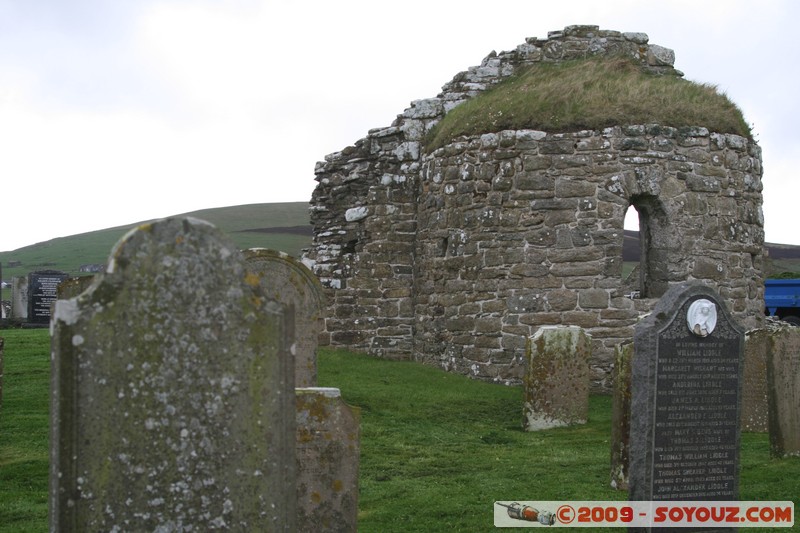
(685,407)
(696,417)
(42,292)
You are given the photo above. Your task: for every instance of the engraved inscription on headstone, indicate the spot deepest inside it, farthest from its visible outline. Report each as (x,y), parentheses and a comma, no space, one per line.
(42,293)
(686,399)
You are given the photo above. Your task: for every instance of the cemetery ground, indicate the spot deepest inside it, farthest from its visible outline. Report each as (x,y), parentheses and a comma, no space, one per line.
(437,449)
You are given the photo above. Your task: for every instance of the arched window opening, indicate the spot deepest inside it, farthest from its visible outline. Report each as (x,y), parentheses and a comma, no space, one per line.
(631,255)
(650,276)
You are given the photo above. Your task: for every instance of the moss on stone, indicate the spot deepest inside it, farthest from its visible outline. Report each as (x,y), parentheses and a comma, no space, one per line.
(590,94)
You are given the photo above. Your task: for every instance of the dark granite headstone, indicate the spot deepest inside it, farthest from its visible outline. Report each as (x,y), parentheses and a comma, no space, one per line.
(42,293)
(686,390)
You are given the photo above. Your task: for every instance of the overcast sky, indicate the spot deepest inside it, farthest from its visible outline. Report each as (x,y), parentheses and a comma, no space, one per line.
(117,111)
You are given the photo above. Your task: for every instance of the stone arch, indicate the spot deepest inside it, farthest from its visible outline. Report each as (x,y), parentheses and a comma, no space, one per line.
(651,277)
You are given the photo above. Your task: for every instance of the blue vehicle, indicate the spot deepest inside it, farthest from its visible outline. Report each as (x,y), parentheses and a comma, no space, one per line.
(782,299)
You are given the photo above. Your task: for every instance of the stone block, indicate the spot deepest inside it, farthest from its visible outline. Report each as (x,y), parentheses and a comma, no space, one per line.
(328,451)
(556,379)
(172,402)
(593,298)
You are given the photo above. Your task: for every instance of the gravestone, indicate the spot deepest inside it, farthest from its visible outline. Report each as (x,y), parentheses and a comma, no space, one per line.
(556,380)
(327,462)
(754,380)
(686,384)
(621,416)
(783,385)
(42,293)
(172,403)
(2,346)
(19,297)
(290,282)
(72,287)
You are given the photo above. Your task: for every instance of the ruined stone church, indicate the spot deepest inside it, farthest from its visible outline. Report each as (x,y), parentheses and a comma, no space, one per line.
(455,253)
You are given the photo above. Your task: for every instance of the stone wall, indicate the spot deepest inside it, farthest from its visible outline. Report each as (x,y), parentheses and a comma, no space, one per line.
(522,229)
(454,257)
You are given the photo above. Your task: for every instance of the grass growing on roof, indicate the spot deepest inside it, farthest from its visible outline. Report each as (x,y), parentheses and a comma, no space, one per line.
(437,449)
(590,94)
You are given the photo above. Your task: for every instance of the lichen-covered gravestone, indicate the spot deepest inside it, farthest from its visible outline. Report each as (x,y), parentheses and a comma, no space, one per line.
(783,384)
(290,282)
(327,462)
(757,343)
(685,412)
(172,392)
(556,380)
(621,416)
(2,344)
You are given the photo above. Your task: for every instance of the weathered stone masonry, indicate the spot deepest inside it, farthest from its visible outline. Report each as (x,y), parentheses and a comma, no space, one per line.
(454,257)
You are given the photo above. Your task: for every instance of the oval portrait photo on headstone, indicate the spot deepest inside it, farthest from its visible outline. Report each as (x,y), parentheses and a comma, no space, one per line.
(702,317)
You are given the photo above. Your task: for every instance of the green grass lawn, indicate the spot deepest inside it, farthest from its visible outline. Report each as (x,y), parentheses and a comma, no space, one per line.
(437,449)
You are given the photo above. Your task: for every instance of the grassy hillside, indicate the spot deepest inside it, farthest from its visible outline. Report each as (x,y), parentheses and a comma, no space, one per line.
(280,226)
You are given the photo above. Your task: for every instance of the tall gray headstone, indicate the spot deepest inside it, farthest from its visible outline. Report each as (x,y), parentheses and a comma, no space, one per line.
(19,297)
(621,416)
(42,294)
(686,387)
(290,282)
(328,450)
(757,343)
(2,346)
(783,384)
(172,398)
